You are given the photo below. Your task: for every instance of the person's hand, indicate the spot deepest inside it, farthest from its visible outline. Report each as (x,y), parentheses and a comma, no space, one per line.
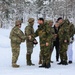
(65,41)
(29,37)
(47,44)
(35,41)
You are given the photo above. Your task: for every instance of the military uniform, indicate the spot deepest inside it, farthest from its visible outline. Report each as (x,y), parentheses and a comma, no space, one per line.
(29,31)
(45,35)
(16,36)
(64,35)
(52,36)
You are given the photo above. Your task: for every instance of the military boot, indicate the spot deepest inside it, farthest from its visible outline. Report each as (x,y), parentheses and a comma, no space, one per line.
(51,61)
(70,62)
(14,65)
(43,65)
(29,63)
(28,59)
(60,63)
(64,63)
(48,65)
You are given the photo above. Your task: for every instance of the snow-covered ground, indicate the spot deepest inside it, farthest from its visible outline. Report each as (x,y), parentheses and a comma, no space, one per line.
(5,60)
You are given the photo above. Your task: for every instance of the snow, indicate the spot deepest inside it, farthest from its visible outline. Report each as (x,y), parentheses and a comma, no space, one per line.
(5,60)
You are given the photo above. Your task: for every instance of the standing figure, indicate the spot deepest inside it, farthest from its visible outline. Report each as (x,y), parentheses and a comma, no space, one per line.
(45,37)
(63,40)
(56,42)
(29,32)
(17,37)
(50,25)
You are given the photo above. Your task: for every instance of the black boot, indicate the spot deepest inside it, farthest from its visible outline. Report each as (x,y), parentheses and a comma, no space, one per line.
(43,65)
(70,62)
(60,63)
(51,62)
(48,65)
(32,64)
(64,63)
(57,60)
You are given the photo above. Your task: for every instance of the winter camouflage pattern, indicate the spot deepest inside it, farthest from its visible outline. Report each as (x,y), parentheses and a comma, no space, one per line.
(16,36)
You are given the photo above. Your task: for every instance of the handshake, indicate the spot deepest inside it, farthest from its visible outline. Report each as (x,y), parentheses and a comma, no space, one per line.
(34,41)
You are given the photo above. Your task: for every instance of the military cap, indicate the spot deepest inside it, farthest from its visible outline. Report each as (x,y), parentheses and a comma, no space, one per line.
(18,22)
(49,21)
(30,20)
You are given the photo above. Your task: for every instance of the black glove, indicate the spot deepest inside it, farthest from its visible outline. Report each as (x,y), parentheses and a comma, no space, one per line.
(35,42)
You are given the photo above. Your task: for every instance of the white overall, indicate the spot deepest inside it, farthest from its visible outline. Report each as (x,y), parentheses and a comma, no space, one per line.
(70,52)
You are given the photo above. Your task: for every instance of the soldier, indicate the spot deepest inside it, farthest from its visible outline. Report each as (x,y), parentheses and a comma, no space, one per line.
(50,23)
(44,34)
(29,31)
(63,40)
(16,36)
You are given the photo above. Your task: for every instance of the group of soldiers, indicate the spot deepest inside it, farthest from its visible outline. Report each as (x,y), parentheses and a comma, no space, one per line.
(58,35)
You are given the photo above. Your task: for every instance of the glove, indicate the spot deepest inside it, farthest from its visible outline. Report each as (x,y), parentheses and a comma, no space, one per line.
(35,42)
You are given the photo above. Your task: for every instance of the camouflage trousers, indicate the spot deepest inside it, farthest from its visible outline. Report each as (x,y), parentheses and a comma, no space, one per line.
(29,47)
(63,51)
(45,54)
(15,52)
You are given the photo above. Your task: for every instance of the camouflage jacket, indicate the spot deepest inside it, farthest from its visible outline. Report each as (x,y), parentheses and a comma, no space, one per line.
(17,36)
(64,32)
(45,34)
(29,30)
